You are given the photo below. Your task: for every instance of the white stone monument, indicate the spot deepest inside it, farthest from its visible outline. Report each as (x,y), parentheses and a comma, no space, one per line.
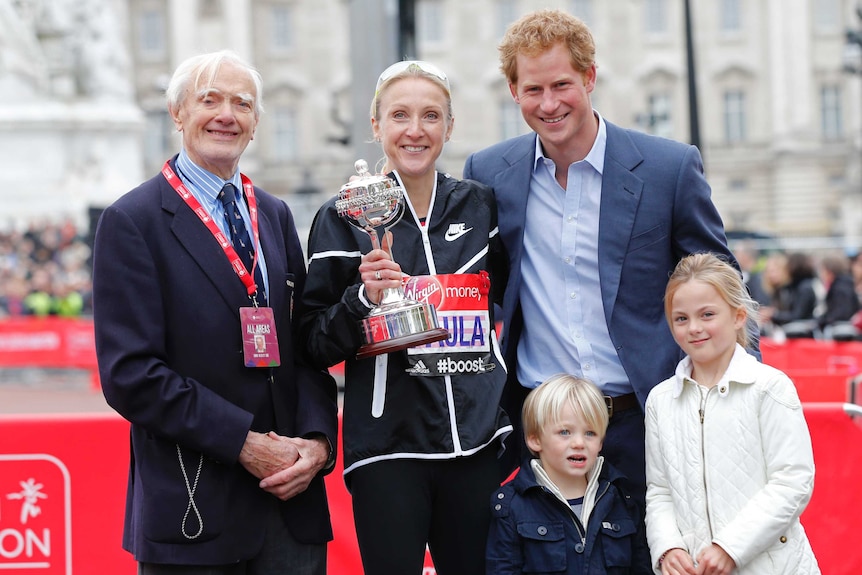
(70,131)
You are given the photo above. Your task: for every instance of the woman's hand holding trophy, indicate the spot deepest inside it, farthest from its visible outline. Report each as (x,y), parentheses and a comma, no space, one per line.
(369,202)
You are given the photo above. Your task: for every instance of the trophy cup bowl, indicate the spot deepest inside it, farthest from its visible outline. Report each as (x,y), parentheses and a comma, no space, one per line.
(368,203)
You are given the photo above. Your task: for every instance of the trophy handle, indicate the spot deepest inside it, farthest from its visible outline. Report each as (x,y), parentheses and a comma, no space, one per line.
(389,295)
(375,239)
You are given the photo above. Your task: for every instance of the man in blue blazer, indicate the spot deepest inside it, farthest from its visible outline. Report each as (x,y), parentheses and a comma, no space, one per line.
(228,443)
(594,218)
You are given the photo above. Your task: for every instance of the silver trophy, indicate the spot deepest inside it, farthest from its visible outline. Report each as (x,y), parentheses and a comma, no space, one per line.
(370,202)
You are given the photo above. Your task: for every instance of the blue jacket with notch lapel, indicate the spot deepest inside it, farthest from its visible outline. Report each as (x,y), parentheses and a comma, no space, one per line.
(170,359)
(655,209)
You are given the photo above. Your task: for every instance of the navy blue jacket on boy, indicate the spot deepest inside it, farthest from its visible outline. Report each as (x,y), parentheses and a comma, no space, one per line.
(534,530)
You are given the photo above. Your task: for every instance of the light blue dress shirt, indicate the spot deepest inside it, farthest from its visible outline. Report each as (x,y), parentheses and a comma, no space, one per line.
(205,187)
(560,291)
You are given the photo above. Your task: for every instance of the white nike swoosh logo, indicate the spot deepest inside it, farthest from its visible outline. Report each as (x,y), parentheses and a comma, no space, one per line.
(450,237)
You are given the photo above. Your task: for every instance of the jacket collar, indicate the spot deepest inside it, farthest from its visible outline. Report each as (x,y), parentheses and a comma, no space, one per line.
(590,494)
(741,370)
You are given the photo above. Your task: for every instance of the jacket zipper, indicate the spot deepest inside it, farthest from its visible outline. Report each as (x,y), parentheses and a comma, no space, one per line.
(582,529)
(702,413)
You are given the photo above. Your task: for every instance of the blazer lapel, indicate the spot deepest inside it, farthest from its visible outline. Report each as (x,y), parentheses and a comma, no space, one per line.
(621,194)
(515,178)
(197,240)
(273,251)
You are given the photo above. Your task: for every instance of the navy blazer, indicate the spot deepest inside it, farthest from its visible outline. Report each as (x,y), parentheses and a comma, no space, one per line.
(655,209)
(166,307)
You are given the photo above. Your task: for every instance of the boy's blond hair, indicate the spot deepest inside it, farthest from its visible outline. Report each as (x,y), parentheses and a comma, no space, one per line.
(544,405)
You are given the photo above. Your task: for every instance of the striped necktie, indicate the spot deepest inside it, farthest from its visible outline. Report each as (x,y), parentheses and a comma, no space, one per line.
(239,236)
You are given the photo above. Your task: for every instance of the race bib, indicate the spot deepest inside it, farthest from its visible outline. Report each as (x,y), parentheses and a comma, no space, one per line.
(461,301)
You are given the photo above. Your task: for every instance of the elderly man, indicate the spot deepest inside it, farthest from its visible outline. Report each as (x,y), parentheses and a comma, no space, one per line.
(228,443)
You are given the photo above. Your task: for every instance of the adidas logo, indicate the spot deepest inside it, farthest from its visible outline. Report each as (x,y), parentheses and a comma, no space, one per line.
(418,369)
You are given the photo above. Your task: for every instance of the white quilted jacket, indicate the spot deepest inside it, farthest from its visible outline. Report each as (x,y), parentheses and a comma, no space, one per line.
(731,465)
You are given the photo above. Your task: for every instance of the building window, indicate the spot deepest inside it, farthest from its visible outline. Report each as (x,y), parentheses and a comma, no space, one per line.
(210,9)
(281,29)
(738,185)
(830,112)
(286,135)
(583,9)
(837,180)
(506,14)
(157,137)
(734,116)
(511,123)
(730,17)
(429,22)
(151,34)
(656,16)
(827,15)
(658,120)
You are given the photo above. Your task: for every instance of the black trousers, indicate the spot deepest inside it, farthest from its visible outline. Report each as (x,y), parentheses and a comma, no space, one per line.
(401,505)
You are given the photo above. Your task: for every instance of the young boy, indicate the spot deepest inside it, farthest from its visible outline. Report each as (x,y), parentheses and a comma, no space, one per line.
(564,512)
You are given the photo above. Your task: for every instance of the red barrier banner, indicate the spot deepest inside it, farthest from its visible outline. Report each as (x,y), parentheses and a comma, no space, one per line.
(62,494)
(62,498)
(47,342)
(831,519)
(63,477)
(810,354)
(35,514)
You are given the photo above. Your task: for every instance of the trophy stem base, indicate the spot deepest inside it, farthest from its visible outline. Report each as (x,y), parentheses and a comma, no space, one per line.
(398,325)
(403,342)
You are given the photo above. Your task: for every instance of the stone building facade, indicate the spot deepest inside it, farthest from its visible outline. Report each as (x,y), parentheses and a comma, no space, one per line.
(780,122)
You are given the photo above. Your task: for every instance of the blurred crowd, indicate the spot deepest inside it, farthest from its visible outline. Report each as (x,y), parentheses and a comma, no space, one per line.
(45,271)
(805,295)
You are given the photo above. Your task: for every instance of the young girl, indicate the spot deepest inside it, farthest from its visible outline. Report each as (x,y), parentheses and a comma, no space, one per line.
(729,461)
(423,426)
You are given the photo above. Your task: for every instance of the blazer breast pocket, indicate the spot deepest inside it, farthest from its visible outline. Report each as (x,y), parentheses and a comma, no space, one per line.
(647,238)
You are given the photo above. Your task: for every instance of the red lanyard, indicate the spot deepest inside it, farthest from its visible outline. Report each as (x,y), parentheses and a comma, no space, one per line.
(224,242)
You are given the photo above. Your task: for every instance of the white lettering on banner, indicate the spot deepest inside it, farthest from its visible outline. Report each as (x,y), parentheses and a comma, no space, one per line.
(15,544)
(36,519)
(29,341)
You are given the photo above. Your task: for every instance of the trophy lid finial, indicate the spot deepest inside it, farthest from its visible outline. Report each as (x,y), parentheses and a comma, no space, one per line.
(361,167)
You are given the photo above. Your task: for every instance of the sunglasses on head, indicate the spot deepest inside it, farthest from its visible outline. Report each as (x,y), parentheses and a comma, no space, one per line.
(399,67)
